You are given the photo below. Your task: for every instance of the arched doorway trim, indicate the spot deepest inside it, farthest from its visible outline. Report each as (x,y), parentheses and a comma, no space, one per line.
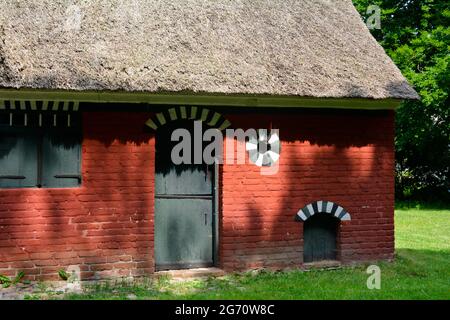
(210,118)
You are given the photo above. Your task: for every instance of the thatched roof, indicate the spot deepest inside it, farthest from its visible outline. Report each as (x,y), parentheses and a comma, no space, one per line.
(307,48)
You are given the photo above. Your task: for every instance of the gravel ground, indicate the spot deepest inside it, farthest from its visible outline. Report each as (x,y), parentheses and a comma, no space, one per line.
(39,290)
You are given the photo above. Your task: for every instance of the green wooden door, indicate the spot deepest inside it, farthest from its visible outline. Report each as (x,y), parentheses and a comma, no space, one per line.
(319,236)
(183,209)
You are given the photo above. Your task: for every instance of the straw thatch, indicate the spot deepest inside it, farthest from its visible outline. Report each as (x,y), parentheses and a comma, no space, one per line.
(308,48)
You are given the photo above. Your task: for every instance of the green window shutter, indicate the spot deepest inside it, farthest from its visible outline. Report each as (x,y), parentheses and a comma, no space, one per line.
(18,160)
(61,160)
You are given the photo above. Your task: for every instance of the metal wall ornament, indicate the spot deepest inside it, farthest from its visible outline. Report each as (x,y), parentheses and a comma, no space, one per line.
(264,150)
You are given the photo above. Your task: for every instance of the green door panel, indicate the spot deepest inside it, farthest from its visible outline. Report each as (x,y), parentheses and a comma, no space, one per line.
(185,179)
(18,160)
(319,237)
(183,235)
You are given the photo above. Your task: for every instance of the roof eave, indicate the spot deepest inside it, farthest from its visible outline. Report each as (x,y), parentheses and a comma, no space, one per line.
(200,99)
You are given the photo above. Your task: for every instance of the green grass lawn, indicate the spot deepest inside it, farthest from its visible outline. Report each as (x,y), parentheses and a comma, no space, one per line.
(421,271)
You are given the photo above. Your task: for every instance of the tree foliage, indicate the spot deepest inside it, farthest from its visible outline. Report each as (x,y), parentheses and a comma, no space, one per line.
(416,35)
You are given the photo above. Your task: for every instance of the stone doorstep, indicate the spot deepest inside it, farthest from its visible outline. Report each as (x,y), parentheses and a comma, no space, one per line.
(326,264)
(192,273)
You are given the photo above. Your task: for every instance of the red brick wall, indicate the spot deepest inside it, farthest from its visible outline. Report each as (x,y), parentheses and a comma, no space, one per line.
(106,226)
(342,156)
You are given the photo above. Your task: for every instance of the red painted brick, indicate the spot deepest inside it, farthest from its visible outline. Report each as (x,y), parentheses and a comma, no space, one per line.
(106,226)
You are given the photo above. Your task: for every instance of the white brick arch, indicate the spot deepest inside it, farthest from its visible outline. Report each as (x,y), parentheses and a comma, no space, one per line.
(209,117)
(322,206)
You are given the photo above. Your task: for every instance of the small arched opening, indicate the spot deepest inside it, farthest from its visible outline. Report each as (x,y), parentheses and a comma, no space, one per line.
(321,230)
